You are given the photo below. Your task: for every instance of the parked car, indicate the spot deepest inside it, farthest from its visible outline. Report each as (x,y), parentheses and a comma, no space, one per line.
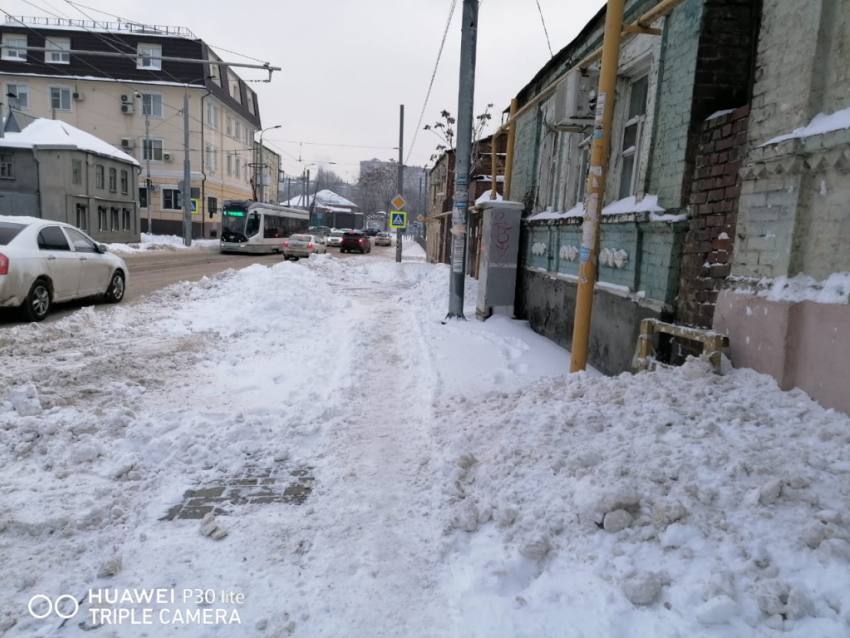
(372,232)
(383,239)
(44,262)
(322,231)
(353,241)
(303,246)
(334,239)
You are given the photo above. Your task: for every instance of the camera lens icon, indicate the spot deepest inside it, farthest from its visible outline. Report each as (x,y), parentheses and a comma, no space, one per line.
(41,606)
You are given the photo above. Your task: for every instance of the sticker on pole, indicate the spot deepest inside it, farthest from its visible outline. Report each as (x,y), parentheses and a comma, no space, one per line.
(398,219)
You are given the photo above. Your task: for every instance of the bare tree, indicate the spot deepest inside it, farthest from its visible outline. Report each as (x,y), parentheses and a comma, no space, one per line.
(377,187)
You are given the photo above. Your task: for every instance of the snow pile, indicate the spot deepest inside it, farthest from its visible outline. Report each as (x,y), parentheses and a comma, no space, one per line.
(822,123)
(715,501)
(835,289)
(485,197)
(163,242)
(431,294)
(647,204)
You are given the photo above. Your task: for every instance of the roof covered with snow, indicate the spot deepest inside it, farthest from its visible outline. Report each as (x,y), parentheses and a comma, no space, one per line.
(326,198)
(52,134)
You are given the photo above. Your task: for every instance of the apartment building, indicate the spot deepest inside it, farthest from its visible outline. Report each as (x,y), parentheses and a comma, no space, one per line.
(113,80)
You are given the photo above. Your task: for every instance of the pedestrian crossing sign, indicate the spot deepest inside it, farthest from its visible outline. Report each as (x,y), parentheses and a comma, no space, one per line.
(398,219)
(194,206)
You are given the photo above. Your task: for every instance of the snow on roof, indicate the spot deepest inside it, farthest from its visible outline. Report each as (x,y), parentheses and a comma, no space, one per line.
(325,198)
(821,124)
(649,204)
(43,133)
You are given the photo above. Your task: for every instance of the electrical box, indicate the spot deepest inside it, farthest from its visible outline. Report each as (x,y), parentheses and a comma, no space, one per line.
(126,142)
(127,109)
(575,98)
(78,96)
(499,256)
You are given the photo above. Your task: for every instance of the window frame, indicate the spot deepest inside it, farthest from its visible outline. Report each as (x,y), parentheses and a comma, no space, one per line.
(126,220)
(17,91)
(7,50)
(7,167)
(627,187)
(153,54)
(76,171)
(55,230)
(82,212)
(102,219)
(113,179)
(153,148)
(63,52)
(61,88)
(151,95)
(211,158)
(114,220)
(125,182)
(213,115)
(175,198)
(99,176)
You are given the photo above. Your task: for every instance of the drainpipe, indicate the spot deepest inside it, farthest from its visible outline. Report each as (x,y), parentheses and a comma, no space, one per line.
(509,157)
(37,180)
(203,170)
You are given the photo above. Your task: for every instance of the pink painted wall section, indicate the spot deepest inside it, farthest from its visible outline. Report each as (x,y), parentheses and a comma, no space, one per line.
(805,345)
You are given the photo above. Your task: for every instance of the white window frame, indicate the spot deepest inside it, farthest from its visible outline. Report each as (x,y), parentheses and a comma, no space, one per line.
(59,50)
(153,113)
(211,160)
(154,147)
(238,165)
(59,87)
(175,197)
(149,57)
(26,91)
(213,114)
(237,132)
(639,121)
(249,136)
(14,53)
(228,129)
(251,102)
(230,164)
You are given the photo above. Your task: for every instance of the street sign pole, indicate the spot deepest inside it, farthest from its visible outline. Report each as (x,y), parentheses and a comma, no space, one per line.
(465,109)
(400,179)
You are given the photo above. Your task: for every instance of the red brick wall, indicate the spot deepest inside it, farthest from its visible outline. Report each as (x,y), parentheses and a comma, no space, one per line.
(715,192)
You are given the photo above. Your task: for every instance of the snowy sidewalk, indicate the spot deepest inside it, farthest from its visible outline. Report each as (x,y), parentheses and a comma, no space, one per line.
(377,473)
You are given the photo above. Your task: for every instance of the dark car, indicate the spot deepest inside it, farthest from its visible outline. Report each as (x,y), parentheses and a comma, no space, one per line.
(371,231)
(353,241)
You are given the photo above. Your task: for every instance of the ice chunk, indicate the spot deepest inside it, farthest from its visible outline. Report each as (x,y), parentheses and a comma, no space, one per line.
(25,401)
(717,611)
(617,521)
(643,588)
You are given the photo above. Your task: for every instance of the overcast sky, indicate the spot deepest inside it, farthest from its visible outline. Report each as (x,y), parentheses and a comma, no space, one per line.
(348,64)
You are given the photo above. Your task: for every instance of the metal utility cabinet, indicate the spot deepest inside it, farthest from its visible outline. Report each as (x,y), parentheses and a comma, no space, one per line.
(499,255)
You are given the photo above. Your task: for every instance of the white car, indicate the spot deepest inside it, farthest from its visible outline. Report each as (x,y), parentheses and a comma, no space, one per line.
(334,239)
(303,246)
(43,262)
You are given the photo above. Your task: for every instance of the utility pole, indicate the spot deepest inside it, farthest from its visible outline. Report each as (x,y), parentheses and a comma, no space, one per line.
(466,98)
(596,184)
(187,176)
(147,154)
(398,241)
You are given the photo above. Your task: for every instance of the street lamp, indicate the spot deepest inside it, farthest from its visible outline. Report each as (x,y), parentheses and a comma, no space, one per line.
(262,176)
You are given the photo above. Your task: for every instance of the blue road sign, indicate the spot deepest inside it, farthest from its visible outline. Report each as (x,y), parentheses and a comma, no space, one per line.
(398,219)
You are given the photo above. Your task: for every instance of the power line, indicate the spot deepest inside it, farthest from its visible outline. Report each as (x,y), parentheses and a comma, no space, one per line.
(545,30)
(387,148)
(433,77)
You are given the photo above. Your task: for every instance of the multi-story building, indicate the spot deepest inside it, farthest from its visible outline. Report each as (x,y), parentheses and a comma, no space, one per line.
(114,80)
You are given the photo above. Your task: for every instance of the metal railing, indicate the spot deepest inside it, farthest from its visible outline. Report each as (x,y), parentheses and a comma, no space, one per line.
(128,27)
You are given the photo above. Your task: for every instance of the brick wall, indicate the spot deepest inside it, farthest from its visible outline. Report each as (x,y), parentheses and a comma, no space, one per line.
(716,190)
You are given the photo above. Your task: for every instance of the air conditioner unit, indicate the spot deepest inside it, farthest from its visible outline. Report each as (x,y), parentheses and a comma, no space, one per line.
(126,99)
(127,109)
(575,98)
(78,96)
(126,142)
(166,157)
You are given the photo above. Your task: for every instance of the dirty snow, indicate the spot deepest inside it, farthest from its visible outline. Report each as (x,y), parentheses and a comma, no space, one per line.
(162,242)
(835,289)
(463,485)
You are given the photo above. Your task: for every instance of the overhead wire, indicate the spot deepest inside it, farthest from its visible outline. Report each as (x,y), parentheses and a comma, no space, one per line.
(545,30)
(433,77)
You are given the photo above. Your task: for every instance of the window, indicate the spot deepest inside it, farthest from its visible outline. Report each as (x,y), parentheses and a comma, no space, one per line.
(212,115)
(81,243)
(229,128)
(21,93)
(215,72)
(170,199)
(115,219)
(102,221)
(52,238)
(7,166)
(126,220)
(238,134)
(15,47)
(152,104)
(77,171)
(211,159)
(82,217)
(230,163)
(143,197)
(60,98)
(249,136)
(253,225)
(233,86)
(212,205)
(584,164)
(632,134)
(251,107)
(58,51)
(113,180)
(152,150)
(125,182)
(238,166)
(98,176)
(149,57)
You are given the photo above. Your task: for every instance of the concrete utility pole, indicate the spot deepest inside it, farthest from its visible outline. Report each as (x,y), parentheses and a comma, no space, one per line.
(596,184)
(262,167)
(148,151)
(398,241)
(187,176)
(466,98)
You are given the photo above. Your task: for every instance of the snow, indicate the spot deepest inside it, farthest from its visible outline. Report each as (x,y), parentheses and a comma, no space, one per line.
(42,133)
(822,123)
(835,289)
(464,484)
(485,197)
(714,116)
(162,242)
(648,204)
(323,197)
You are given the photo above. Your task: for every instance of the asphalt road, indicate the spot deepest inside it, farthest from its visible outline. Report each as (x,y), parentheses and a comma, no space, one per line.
(151,271)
